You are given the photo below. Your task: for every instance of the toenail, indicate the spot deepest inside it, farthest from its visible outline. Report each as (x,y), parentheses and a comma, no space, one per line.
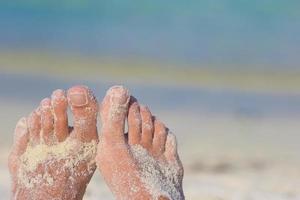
(45,102)
(58,93)
(78,98)
(144,108)
(119,95)
(38,111)
(21,128)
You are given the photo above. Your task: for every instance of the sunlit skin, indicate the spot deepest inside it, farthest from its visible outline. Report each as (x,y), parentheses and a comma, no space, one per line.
(114,158)
(49,124)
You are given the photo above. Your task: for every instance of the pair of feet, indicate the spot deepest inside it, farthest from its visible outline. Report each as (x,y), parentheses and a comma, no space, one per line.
(50,160)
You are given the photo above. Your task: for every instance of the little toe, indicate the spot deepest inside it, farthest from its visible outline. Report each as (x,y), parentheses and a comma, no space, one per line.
(47,121)
(34,126)
(84,107)
(60,104)
(114,109)
(147,127)
(21,137)
(20,142)
(134,122)
(171,154)
(171,148)
(159,138)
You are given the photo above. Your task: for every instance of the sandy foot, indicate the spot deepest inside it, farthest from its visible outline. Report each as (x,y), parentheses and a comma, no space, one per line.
(49,159)
(144,163)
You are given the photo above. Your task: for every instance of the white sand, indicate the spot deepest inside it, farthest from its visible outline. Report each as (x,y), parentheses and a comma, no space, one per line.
(225,157)
(70,152)
(159,178)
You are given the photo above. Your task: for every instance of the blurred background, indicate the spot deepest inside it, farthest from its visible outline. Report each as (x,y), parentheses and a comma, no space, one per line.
(223,75)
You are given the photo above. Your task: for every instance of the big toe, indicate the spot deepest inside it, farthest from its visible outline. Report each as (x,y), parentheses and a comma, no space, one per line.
(113,112)
(84,107)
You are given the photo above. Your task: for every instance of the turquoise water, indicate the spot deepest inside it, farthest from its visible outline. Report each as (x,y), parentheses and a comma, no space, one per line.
(240,33)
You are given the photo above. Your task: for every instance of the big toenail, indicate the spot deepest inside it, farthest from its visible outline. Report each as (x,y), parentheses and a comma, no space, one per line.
(78,98)
(119,95)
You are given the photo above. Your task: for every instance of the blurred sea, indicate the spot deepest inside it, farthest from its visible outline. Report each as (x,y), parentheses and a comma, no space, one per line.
(218,33)
(31,88)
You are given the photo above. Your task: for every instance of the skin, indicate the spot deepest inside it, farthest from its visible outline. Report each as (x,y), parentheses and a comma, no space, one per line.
(48,125)
(117,165)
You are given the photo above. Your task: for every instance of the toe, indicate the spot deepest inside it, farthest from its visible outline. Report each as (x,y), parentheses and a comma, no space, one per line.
(59,104)
(147,127)
(114,110)
(134,122)
(34,126)
(21,137)
(171,148)
(20,143)
(84,107)
(47,122)
(159,138)
(171,154)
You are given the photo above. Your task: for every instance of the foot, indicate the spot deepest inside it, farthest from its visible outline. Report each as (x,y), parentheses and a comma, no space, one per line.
(49,159)
(143,164)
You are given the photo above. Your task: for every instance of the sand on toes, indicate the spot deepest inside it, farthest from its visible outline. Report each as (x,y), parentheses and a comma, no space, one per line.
(49,159)
(143,164)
